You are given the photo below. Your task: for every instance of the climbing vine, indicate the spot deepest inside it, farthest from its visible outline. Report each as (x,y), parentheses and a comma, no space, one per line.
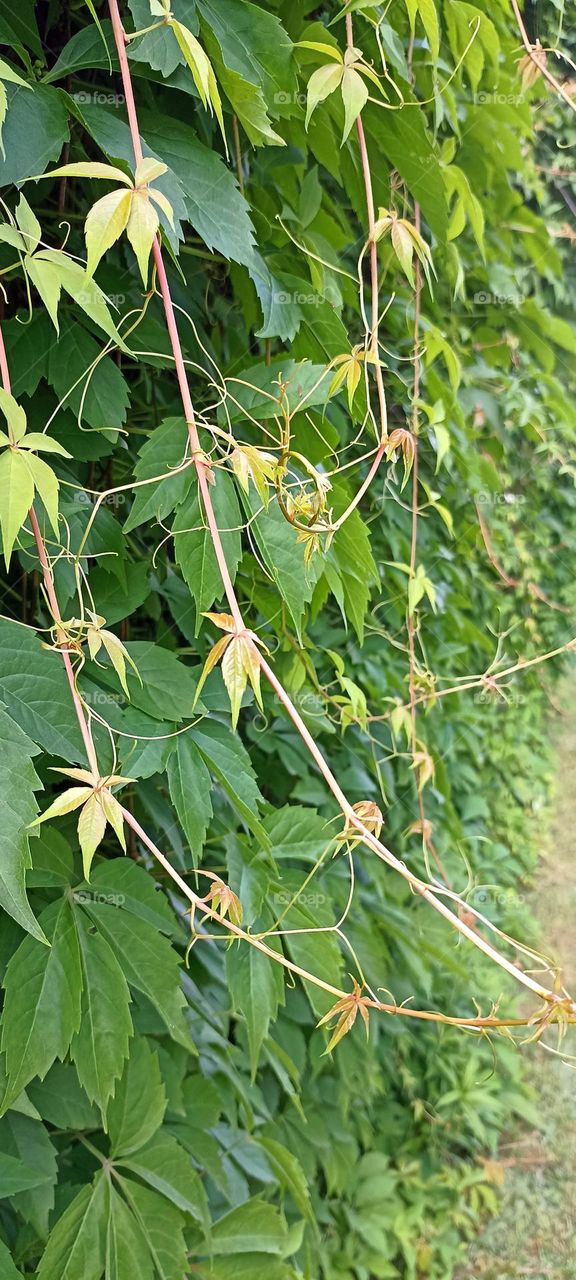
(293,469)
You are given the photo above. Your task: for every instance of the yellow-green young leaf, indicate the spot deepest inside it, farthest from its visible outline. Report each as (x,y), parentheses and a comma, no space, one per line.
(3,110)
(251,665)
(119,656)
(141,228)
(94,641)
(66,803)
(318,47)
(249,463)
(213,657)
(91,828)
(41,443)
(16,498)
(234,676)
(403,246)
(46,280)
(46,485)
(8,234)
(160,199)
(202,71)
(354,97)
(88,169)
(105,223)
(322,83)
(113,814)
(148,169)
(6,73)
(214,97)
(14,415)
(197,60)
(79,775)
(28,223)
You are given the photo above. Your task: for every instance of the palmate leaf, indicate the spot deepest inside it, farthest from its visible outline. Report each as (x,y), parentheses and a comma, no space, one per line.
(127,1250)
(161,1225)
(166,1167)
(76,1248)
(42,1000)
(148,962)
(257,988)
(137,1108)
(100,1045)
(16,498)
(190,787)
(18,782)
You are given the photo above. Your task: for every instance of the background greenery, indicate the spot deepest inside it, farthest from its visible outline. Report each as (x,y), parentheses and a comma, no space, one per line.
(239,1149)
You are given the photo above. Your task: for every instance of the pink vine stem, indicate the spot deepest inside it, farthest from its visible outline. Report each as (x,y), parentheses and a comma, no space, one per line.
(367,837)
(51,594)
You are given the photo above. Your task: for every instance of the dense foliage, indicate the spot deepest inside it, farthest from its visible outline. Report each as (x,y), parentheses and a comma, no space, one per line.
(365,254)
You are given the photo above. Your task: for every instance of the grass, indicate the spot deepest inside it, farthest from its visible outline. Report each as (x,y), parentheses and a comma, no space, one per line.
(534,1233)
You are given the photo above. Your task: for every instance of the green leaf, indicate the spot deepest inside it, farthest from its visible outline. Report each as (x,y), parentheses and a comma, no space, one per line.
(99,394)
(46,485)
(164,450)
(127,1250)
(27,1157)
(190,787)
(34,689)
(214,204)
(137,1109)
(290,1174)
(256,987)
(100,1045)
(18,782)
(9,1271)
(61,1100)
(166,1167)
(229,762)
(34,133)
(161,1226)
(42,1000)
(193,543)
(125,884)
(254,1227)
(283,558)
(149,963)
(76,1246)
(252,56)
